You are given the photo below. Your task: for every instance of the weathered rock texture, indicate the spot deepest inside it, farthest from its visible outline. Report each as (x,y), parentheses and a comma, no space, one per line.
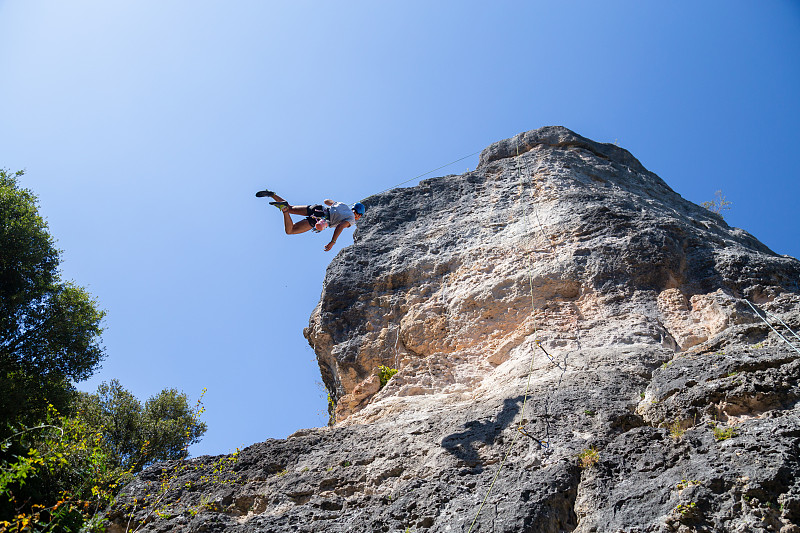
(557,307)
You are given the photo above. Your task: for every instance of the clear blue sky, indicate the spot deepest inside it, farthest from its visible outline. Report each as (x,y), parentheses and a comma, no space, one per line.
(146,126)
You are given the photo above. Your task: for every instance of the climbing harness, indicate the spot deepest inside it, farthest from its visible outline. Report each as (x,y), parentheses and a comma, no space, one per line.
(764,318)
(321,217)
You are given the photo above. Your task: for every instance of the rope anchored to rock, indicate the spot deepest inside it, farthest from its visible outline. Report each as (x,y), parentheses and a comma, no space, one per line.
(543,443)
(764,319)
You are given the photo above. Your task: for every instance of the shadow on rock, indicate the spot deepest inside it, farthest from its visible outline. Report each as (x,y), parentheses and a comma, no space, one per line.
(464,444)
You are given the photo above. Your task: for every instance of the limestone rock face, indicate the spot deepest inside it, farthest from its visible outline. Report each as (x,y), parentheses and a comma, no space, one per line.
(572,338)
(571,242)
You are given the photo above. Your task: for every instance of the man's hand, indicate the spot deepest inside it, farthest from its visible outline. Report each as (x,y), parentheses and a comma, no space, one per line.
(336,233)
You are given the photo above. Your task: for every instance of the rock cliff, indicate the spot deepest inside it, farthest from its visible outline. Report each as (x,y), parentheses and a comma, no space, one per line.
(572,338)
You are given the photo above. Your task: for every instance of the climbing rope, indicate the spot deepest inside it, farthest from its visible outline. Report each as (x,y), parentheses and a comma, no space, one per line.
(508,450)
(397,337)
(545,443)
(425,173)
(529,186)
(396,353)
(764,318)
(782,323)
(520,428)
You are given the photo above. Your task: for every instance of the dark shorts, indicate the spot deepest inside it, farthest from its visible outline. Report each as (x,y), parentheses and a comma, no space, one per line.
(315,213)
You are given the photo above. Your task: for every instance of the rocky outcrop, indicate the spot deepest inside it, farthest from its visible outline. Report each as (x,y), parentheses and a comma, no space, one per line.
(560,316)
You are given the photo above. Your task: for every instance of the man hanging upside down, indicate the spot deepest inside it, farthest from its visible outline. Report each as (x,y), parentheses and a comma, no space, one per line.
(332,215)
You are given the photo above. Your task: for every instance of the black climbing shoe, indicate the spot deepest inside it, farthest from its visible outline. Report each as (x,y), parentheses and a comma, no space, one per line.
(280,205)
(266,192)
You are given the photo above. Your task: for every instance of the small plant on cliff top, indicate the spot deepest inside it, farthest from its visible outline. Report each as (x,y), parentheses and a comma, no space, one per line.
(589,457)
(688,511)
(385,373)
(723,433)
(686,483)
(718,204)
(676,429)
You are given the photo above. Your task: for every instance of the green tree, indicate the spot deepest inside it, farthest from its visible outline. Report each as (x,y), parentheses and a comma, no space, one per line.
(137,435)
(49,329)
(64,454)
(61,475)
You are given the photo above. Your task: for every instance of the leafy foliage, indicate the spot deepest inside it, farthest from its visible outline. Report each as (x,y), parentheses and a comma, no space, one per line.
(49,329)
(56,477)
(687,511)
(385,373)
(721,434)
(588,457)
(62,474)
(686,483)
(63,454)
(676,429)
(137,435)
(163,495)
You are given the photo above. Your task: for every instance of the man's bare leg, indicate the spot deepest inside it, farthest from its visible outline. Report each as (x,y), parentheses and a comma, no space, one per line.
(293,228)
(293,209)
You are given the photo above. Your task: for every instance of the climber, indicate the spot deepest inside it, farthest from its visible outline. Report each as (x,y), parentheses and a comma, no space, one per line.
(334,215)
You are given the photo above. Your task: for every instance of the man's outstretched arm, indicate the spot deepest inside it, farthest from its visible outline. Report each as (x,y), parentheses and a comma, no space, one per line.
(336,232)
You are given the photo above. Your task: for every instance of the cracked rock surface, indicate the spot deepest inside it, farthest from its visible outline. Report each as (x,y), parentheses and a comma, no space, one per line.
(559,311)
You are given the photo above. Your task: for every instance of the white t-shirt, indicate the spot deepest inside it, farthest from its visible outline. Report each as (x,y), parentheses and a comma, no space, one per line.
(339,213)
